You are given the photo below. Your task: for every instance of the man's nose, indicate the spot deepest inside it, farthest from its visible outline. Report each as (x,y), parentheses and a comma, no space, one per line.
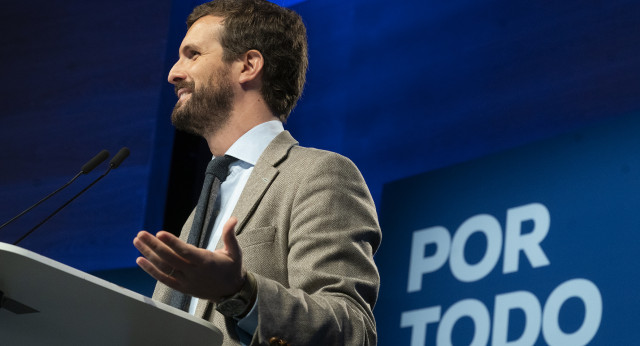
(176,74)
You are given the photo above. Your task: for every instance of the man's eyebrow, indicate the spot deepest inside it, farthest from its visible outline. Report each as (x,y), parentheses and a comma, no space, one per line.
(190,46)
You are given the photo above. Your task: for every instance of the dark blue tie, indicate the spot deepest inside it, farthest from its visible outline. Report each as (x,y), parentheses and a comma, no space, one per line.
(207,209)
(206,213)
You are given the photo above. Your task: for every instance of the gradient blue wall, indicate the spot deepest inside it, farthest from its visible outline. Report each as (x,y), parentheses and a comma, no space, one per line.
(400,87)
(403,87)
(79,76)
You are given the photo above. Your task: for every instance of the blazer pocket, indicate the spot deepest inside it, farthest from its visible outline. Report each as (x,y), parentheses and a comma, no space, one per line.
(257,236)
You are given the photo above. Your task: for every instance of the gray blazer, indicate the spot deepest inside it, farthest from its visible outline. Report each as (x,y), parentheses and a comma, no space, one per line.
(308,230)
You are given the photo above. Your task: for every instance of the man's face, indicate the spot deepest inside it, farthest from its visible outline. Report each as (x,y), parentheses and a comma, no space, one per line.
(201,80)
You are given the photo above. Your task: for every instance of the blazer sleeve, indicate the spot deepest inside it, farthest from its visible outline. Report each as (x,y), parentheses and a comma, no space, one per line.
(333,281)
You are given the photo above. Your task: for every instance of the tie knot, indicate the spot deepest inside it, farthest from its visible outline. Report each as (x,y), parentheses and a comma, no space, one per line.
(219,166)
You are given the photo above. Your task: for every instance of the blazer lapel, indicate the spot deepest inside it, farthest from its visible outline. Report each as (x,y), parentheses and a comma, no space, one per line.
(262,176)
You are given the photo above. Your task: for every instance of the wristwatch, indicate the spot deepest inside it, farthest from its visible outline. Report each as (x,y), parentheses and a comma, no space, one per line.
(239,304)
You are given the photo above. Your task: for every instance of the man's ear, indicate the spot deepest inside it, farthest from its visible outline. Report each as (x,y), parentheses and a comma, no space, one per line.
(252,64)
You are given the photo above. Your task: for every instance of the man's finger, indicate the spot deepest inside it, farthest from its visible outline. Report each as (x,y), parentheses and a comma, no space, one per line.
(141,242)
(229,239)
(157,252)
(186,251)
(156,273)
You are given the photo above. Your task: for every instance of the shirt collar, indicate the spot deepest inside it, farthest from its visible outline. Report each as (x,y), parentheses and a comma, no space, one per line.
(250,146)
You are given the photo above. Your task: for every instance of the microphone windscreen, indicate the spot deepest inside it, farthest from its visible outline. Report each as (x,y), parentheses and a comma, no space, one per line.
(95,161)
(119,157)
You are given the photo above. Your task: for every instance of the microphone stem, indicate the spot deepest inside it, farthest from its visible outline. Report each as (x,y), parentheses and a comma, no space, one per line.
(42,200)
(64,205)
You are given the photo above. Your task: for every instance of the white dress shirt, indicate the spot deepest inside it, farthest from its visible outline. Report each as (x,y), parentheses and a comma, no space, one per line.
(247,149)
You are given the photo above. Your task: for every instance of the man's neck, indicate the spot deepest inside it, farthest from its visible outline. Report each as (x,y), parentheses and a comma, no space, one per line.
(237,125)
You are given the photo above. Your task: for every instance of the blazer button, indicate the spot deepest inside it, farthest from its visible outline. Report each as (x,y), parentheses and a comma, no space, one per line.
(275,341)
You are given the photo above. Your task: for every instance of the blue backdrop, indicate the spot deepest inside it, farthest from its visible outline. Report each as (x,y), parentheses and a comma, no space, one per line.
(400,87)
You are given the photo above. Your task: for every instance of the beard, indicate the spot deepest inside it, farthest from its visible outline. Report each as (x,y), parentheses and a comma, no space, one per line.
(208,109)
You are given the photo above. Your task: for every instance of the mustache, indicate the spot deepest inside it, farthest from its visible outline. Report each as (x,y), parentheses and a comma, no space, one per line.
(184,84)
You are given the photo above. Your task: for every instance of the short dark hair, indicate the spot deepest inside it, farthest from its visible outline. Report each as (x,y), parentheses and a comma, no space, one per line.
(277,33)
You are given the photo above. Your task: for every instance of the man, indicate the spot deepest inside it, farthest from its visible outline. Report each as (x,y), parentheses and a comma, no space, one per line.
(289,256)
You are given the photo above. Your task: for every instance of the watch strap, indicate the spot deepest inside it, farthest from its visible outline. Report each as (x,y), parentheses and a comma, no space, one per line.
(239,304)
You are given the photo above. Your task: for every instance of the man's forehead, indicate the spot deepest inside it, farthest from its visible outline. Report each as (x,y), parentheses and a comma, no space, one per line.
(205,31)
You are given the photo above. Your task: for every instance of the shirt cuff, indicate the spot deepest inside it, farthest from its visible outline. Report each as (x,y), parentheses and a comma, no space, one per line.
(249,323)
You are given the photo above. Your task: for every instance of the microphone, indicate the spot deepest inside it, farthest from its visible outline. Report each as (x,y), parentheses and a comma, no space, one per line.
(113,164)
(94,162)
(86,168)
(119,157)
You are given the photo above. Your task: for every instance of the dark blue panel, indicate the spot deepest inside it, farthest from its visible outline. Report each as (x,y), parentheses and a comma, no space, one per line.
(589,181)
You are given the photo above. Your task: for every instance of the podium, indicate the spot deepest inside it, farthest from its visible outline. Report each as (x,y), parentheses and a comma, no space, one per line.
(45,302)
